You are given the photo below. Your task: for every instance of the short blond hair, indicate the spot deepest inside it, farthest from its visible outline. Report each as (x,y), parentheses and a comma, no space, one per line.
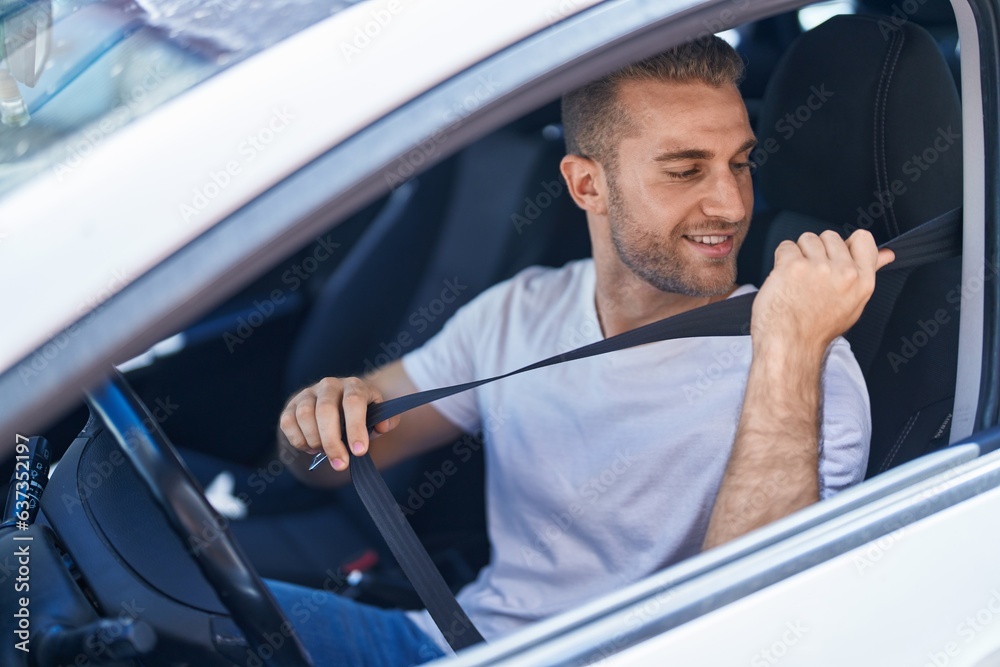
(593,117)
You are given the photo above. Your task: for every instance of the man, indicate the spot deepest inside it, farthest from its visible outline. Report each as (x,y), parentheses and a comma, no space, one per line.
(610,468)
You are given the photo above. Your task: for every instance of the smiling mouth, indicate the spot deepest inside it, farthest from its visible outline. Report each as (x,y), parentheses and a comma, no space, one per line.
(709,240)
(714,246)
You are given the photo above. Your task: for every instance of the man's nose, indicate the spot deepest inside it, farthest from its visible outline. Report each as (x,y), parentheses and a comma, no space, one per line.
(723,198)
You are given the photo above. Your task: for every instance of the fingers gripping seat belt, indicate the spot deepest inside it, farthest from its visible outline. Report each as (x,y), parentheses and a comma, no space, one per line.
(934,240)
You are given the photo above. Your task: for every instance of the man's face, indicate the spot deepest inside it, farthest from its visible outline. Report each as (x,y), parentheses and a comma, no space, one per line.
(680,198)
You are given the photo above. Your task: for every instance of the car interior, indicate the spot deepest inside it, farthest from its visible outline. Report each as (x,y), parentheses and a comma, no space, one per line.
(858,119)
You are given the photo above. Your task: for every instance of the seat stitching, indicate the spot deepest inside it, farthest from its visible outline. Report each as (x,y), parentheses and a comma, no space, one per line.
(881,94)
(876,126)
(899,441)
(894,229)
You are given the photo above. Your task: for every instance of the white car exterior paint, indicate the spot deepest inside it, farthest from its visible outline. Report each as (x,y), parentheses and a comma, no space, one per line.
(851,610)
(661,593)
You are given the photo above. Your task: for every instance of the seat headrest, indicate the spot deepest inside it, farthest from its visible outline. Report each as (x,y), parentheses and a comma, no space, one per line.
(922,12)
(861,127)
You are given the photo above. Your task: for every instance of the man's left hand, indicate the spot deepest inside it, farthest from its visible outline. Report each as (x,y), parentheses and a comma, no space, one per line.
(818,288)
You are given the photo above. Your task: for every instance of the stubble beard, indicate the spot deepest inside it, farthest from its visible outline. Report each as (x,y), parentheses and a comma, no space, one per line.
(660,262)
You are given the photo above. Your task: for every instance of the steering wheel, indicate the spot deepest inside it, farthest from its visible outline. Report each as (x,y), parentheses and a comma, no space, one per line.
(221,560)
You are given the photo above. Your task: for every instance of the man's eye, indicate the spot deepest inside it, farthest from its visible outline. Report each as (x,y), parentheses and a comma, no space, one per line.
(683,175)
(748,166)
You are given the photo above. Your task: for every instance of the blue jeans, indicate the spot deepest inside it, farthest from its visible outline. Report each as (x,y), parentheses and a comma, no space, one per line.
(338,631)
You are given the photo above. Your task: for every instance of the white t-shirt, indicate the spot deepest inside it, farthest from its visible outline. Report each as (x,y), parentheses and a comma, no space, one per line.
(603,470)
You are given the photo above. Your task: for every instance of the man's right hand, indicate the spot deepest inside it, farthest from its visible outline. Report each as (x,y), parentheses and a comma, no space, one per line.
(311,419)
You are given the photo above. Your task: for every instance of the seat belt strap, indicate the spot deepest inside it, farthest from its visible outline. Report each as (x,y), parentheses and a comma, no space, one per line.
(937,239)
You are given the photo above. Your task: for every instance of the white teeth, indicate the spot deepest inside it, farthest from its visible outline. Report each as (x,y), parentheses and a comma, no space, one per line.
(708,240)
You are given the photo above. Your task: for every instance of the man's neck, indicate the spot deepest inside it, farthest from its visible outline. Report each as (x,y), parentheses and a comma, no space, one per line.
(624,301)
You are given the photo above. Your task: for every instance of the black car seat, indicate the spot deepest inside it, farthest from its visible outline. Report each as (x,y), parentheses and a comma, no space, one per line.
(935,16)
(346,323)
(861,127)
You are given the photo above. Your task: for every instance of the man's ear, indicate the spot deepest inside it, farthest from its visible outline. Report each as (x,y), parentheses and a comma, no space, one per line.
(585,180)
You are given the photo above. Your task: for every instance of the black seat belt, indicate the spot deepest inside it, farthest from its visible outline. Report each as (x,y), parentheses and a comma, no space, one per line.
(937,239)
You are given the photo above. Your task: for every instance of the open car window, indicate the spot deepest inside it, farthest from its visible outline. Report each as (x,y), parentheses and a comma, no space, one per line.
(360,256)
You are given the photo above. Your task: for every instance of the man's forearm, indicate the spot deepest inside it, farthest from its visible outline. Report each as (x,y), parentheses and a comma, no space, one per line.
(817,290)
(773,467)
